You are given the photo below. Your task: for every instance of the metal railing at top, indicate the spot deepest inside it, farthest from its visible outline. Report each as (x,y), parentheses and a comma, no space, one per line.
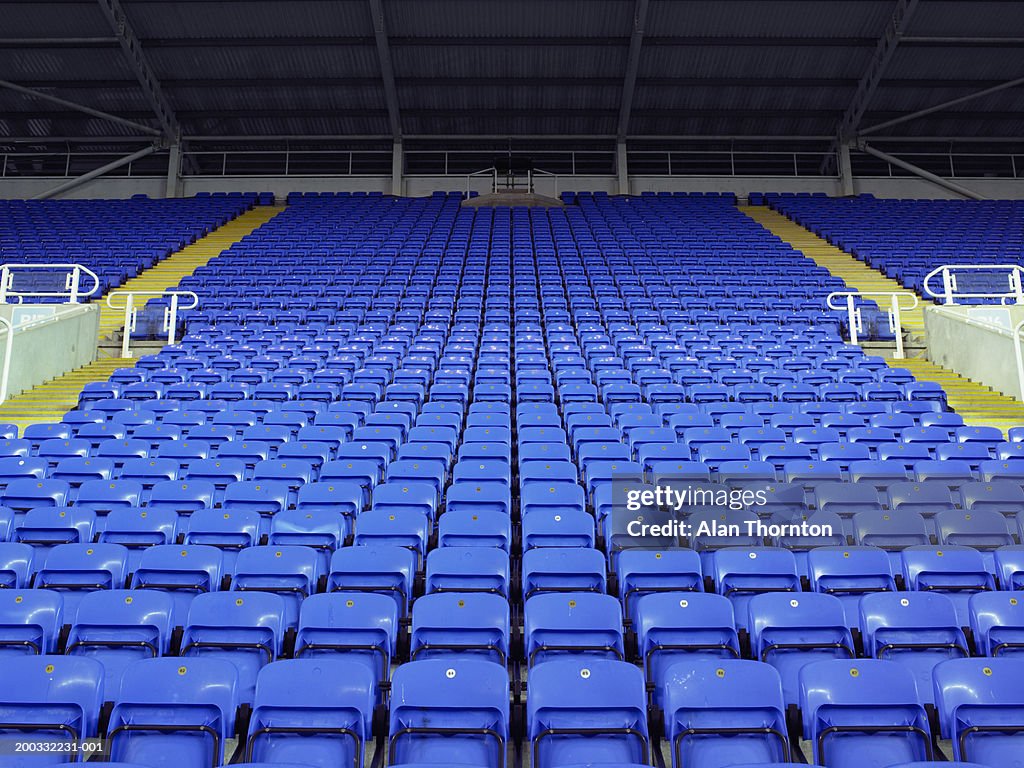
(1019,356)
(131,312)
(72,283)
(893,311)
(951,291)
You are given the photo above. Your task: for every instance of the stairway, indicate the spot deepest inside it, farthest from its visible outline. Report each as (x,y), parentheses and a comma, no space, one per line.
(858,275)
(168,272)
(50,401)
(976,403)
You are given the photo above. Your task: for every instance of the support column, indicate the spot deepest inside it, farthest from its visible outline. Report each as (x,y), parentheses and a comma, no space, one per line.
(621,167)
(396,168)
(173,186)
(845,170)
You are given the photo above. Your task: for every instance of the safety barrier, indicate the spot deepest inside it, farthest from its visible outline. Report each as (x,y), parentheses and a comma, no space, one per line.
(893,311)
(951,292)
(131,311)
(72,283)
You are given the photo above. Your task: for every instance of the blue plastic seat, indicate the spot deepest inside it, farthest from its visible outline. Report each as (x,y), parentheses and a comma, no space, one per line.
(468,569)
(378,568)
(445,707)
(30,622)
(863,713)
(562,569)
(363,626)
(586,711)
(48,700)
(247,631)
(916,630)
(997,622)
(76,569)
(461,625)
(181,571)
(174,712)
(790,631)
(580,623)
(739,573)
(718,712)
(317,711)
(119,627)
(955,571)
(293,572)
(981,709)
(849,573)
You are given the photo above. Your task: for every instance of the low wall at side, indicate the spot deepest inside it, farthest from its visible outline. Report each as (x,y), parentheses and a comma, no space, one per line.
(976,342)
(49,341)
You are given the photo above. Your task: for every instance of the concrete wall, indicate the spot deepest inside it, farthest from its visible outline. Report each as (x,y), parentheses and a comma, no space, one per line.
(975,342)
(50,343)
(417,186)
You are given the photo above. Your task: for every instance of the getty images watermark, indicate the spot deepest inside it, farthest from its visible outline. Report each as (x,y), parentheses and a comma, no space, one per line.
(674,510)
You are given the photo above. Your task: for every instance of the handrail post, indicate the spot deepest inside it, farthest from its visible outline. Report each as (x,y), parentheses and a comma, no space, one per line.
(852,312)
(6,281)
(1015,285)
(172,319)
(897,326)
(129,321)
(5,375)
(76,277)
(1019,357)
(947,285)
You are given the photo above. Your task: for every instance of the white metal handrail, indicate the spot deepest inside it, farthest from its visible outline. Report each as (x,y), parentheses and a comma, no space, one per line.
(72,282)
(131,312)
(893,311)
(492,172)
(5,374)
(951,292)
(1019,356)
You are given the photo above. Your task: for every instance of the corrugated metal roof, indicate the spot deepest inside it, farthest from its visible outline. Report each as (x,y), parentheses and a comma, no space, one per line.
(722,67)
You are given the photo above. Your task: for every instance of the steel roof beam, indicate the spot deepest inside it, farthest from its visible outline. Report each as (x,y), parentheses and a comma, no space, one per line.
(76,107)
(387,72)
(636,40)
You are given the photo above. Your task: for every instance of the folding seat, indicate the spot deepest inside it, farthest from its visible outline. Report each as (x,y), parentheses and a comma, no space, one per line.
(980,709)
(562,569)
(849,573)
(293,572)
(14,448)
(49,700)
(321,529)
(183,496)
(926,498)
(581,623)
(30,622)
(1003,469)
(247,631)
(248,452)
(461,625)
(181,571)
(1009,567)
(989,436)
(18,468)
(916,630)
(719,711)
(291,473)
(811,473)
(38,433)
(379,568)
(137,528)
(950,471)
(997,623)
(780,454)
(379,453)
(982,529)
(214,434)
(449,709)
(891,531)
(317,711)
(55,450)
(405,496)
(76,569)
(267,497)
(160,719)
(957,572)
(557,528)
(739,573)
(403,527)
(909,454)
(359,627)
(973,454)
(118,627)
(474,524)
(148,472)
(46,527)
(468,569)
(586,711)
(1004,496)
(880,474)
(17,564)
(712,528)
(863,713)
